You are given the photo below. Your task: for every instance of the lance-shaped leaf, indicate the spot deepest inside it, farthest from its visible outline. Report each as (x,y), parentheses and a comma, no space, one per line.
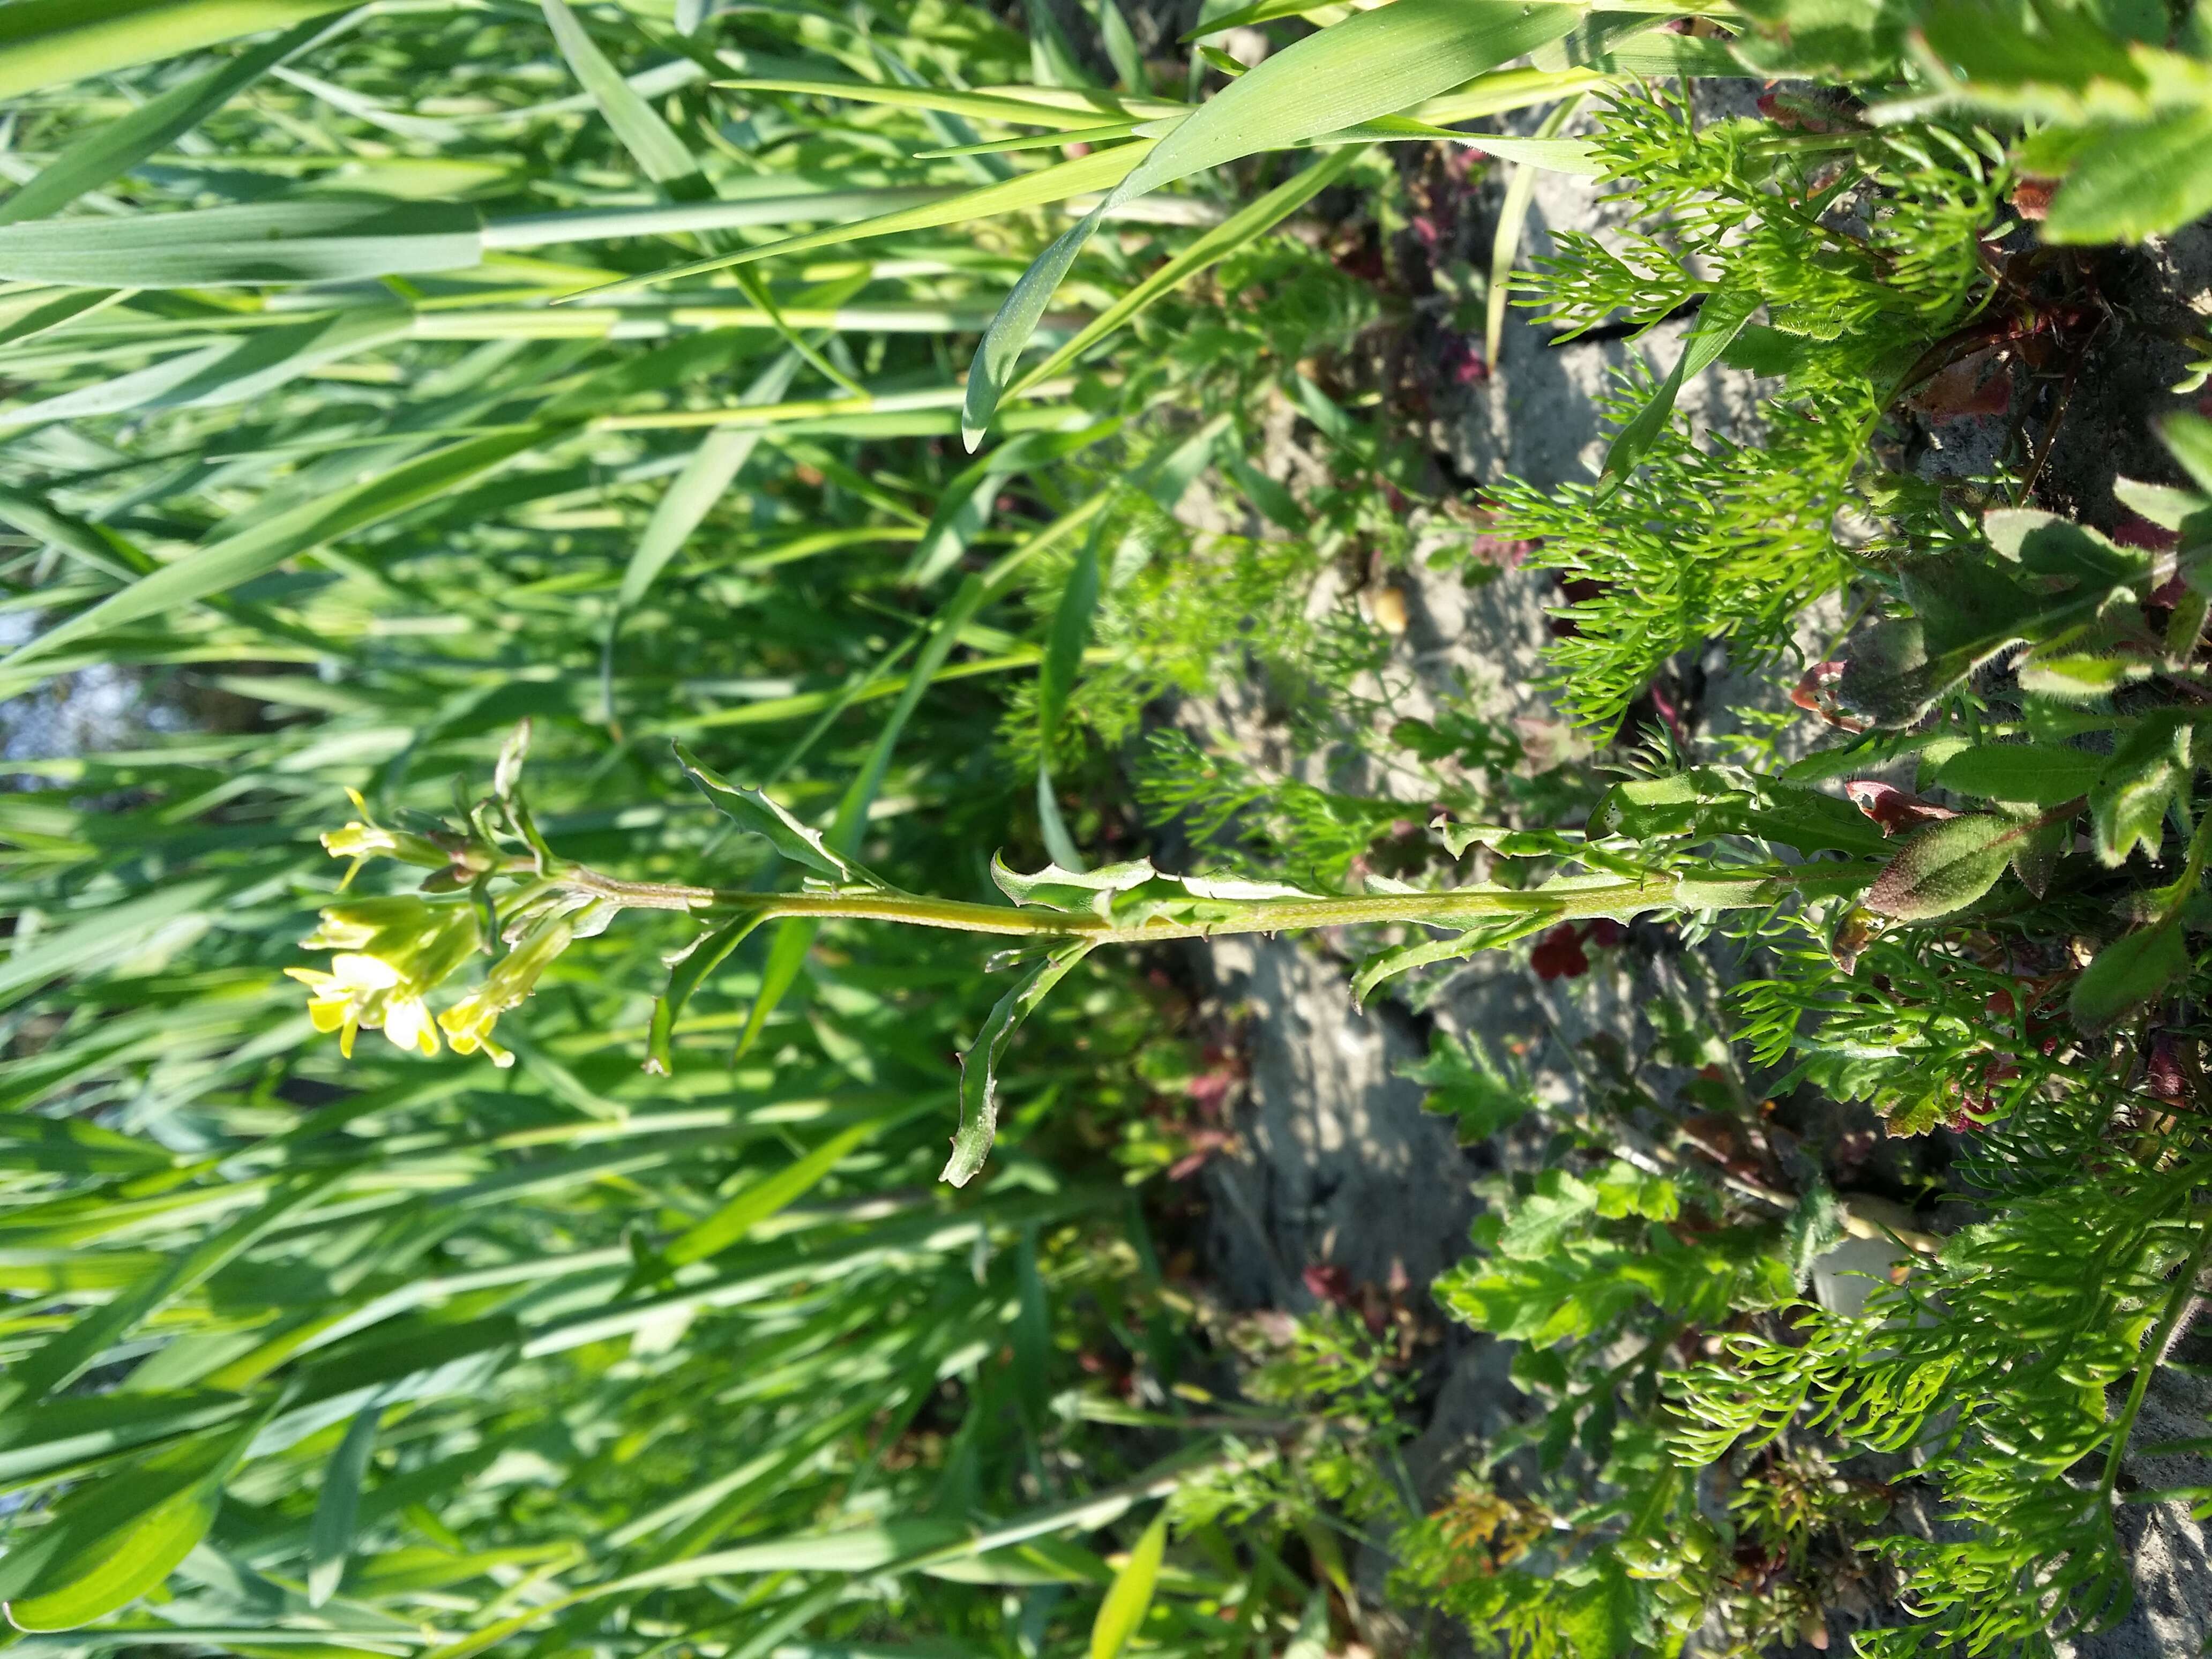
(756,815)
(2036,852)
(2029,773)
(2190,438)
(1967,611)
(685,975)
(2129,803)
(1078,892)
(2128,971)
(978,1066)
(1386,965)
(2167,507)
(2125,182)
(2048,546)
(1943,867)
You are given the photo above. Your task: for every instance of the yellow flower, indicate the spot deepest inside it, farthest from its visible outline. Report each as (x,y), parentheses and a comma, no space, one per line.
(391,952)
(468,1025)
(364,839)
(365,991)
(356,924)
(468,1022)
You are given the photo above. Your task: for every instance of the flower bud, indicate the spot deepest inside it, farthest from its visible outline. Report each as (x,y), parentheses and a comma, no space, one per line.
(469,1022)
(363,840)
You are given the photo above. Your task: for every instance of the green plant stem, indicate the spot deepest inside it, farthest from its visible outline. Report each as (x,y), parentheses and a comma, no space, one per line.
(1463,907)
(2177,1303)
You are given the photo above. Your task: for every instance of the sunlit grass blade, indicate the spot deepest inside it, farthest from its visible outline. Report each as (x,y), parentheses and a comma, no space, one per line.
(1245,226)
(45,41)
(305,241)
(1376,63)
(1099,170)
(108,152)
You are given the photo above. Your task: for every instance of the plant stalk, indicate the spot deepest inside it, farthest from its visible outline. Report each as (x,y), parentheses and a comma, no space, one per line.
(1463,907)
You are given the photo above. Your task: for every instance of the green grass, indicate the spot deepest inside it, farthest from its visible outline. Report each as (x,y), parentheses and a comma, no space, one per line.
(436,1356)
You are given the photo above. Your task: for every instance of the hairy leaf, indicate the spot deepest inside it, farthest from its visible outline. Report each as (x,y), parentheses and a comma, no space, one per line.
(1942,867)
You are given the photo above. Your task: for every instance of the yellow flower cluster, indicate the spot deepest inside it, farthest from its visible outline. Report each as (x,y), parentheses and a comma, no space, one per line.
(391,953)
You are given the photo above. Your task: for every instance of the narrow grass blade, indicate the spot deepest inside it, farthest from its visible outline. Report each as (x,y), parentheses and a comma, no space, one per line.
(1099,170)
(310,240)
(269,543)
(1121,43)
(106,153)
(1063,659)
(1376,63)
(1719,321)
(764,1198)
(60,312)
(1505,242)
(227,373)
(964,509)
(330,1535)
(45,41)
(1064,114)
(648,138)
(66,1355)
(1245,226)
(787,205)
